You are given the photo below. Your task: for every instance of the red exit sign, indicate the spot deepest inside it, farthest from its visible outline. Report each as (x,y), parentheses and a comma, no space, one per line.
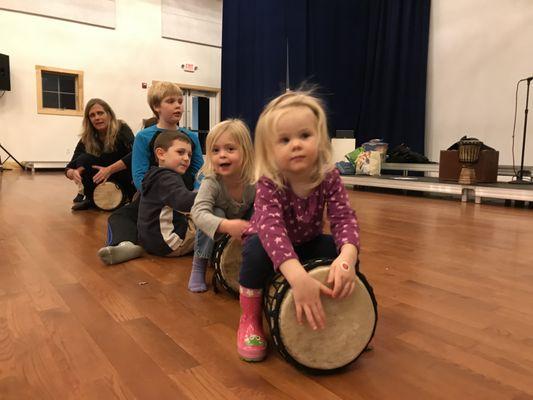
(189,67)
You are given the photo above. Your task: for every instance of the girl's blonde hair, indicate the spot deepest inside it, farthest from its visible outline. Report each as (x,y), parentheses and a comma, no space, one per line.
(158,91)
(265,135)
(240,133)
(90,137)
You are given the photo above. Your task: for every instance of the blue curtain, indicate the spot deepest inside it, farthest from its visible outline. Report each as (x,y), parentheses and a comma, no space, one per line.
(368,58)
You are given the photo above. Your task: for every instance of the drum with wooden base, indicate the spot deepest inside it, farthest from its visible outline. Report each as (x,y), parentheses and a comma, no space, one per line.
(350,323)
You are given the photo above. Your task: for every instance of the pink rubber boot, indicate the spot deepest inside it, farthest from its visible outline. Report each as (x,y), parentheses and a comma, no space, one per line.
(251,343)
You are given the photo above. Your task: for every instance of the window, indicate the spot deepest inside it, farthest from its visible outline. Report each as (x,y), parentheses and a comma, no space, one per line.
(59,91)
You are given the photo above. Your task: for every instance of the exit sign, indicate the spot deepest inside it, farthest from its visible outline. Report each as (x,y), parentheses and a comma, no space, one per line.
(189,67)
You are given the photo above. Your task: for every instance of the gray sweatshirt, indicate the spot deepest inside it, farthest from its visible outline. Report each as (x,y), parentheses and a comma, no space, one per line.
(213,194)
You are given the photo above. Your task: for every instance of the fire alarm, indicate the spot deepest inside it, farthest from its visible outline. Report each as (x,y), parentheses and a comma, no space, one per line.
(189,67)
(144,85)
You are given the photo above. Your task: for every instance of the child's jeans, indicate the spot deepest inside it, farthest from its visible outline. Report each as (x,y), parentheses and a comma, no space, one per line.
(203,244)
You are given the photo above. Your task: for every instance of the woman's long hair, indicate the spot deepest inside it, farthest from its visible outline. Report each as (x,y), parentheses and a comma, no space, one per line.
(90,137)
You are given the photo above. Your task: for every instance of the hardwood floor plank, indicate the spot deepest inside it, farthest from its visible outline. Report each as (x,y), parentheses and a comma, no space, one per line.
(136,369)
(115,304)
(522,380)
(44,296)
(168,355)
(437,376)
(199,384)
(27,353)
(78,353)
(499,340)
(105,389)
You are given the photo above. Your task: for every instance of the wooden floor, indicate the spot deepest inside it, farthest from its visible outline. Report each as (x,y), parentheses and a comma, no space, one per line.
(454,283)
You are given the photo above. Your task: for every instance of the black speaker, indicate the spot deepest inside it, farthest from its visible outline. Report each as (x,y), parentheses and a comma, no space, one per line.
(5,82)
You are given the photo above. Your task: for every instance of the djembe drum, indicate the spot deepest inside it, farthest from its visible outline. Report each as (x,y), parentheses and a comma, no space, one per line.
(350,323)
(108,196)
(468,156)
(227,260)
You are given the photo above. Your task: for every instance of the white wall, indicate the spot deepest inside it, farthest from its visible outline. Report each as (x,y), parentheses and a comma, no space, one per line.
(478,50)
(115,63)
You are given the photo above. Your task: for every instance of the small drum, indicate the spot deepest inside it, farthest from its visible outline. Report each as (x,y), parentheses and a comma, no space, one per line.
(468,155)
(469,150)
(350,323)
(227,260)
(108,196)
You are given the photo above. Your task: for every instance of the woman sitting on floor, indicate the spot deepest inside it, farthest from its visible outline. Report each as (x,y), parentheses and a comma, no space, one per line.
(103,152)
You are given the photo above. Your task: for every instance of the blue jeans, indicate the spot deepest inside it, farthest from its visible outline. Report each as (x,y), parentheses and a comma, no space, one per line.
(203,244)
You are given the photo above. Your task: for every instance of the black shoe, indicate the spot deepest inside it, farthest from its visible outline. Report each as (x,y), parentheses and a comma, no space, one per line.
(79,198)
(82,205)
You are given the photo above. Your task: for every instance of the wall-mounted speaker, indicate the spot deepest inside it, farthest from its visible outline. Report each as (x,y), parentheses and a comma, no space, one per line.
(5,81)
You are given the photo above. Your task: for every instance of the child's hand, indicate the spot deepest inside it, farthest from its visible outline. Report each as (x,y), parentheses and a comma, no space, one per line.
(306,291)
(234,227)
(102,175)
(342,276)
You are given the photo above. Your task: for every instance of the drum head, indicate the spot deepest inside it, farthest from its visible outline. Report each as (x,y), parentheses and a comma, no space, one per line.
(350,324)
(108,196)
(230,263)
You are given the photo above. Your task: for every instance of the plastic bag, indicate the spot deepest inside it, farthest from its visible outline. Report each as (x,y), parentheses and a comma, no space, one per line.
(368,163)
(352,155)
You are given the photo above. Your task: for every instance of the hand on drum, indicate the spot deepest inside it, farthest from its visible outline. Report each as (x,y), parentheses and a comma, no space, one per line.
(307,292)
(234,227)
(102,175)
(342,274)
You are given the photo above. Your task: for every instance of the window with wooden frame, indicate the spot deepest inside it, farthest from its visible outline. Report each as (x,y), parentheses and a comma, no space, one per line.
(59,91)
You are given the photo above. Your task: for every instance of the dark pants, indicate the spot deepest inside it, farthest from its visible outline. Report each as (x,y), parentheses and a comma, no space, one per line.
(122,178)
(257,268)
(122,224)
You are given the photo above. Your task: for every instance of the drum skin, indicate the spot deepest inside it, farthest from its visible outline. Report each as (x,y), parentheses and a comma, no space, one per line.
(108,196)
(350,324)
